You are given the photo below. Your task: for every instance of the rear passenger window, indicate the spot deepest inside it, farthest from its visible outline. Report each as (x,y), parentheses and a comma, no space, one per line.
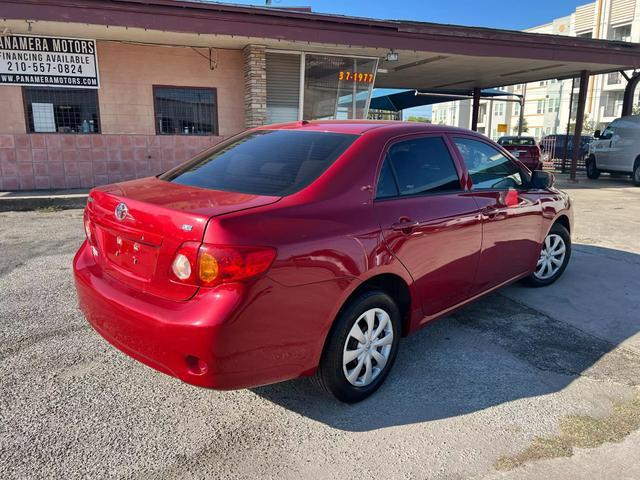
(422,165)
(386,183)
(489,169)
(263,162)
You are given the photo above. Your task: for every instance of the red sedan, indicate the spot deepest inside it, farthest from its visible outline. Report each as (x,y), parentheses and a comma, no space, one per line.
(525,149)
(310,248)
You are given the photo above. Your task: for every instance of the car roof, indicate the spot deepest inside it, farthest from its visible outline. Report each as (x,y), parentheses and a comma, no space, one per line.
(359,127)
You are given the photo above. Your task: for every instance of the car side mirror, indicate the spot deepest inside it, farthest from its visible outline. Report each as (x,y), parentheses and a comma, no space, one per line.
(542,180)
(597,134)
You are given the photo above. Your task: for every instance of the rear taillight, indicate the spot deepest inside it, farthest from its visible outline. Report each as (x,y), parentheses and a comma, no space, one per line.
(210,265)
(183,267)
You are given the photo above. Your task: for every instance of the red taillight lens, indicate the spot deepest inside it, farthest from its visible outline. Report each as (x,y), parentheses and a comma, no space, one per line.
(211,265)
(218,264)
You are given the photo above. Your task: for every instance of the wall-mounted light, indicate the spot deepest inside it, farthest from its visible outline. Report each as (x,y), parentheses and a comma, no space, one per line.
(392,56)
(30,25)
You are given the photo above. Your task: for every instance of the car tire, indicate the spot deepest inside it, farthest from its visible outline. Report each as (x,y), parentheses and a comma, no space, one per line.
(555,253)
(351,377)
(592,170)
(635,176)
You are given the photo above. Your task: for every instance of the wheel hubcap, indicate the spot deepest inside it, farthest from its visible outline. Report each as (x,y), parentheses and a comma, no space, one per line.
(368,347)
(551,257)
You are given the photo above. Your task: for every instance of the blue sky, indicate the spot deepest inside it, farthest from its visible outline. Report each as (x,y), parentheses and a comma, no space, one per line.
(514,15)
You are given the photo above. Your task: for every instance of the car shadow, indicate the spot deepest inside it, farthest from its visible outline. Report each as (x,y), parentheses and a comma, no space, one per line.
(496,350)
(606,180)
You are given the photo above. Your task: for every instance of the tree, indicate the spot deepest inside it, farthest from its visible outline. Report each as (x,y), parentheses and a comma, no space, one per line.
(413,118)
(636,110)
(588,126)
(525,127)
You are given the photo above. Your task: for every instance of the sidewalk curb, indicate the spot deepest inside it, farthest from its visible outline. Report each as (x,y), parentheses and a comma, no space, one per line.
(22,204)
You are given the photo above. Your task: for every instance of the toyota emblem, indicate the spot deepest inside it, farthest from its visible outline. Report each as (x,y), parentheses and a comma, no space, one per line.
(121,211)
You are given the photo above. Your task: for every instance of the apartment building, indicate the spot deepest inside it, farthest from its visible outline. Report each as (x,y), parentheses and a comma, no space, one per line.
(547,103)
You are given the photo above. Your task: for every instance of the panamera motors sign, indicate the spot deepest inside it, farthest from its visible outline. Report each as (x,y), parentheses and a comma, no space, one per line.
(48,61)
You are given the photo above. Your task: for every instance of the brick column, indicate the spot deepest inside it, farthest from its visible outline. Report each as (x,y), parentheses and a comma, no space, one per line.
(255,85)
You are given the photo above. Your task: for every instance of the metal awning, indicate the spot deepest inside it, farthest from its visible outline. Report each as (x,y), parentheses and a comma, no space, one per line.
(430,56)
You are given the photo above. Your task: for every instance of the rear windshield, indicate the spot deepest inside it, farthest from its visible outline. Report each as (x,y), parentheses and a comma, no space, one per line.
(511,141)
(265,162)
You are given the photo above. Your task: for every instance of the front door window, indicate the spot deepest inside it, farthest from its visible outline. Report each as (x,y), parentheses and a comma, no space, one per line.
(488,167)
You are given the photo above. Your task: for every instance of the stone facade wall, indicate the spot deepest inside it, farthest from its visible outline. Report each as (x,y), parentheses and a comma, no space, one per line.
(255,85)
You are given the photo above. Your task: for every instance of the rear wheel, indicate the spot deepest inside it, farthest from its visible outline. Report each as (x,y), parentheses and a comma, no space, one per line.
(361,348)
(554,257)
(635,176)
(592,170)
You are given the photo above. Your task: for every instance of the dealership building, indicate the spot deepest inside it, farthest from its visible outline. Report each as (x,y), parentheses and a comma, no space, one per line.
(98,91)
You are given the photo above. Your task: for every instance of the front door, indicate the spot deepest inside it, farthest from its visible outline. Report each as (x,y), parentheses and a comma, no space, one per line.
(623,145)
(428,221)
(602,149)
(511,219)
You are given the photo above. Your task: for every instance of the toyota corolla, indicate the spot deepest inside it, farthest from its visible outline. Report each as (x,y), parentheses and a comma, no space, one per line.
(311,248)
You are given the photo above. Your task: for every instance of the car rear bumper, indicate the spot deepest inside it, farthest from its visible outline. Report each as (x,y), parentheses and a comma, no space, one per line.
(177,338)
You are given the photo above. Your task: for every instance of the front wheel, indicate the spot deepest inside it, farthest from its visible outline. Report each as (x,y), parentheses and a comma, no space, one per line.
(554,257)
(361,348)
(592,170)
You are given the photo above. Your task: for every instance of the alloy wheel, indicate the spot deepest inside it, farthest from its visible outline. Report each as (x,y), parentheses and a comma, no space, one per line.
(551,257)
(367,347)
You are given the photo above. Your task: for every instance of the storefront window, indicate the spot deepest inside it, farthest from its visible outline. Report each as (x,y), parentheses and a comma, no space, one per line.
(61,110)
(185,111)
(337,87)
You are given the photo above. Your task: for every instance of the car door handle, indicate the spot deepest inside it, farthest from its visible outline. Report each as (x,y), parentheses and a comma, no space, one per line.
(405,225)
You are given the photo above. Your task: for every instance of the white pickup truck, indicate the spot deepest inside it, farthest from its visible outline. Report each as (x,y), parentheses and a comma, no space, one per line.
(617,149)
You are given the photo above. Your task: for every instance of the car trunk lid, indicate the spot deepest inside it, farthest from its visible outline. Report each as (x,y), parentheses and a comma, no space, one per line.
(523,151)
(140,225)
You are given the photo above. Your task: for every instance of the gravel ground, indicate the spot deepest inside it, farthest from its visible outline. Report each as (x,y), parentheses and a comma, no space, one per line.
(469,395)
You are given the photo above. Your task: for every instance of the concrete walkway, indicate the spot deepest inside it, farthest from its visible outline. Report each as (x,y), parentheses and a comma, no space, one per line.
(38,199)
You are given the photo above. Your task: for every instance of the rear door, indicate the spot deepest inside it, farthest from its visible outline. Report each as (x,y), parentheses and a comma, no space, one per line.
(511,219)
(429,222)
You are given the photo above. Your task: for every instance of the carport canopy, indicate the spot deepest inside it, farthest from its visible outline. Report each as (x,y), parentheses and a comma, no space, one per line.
(395,100)
(430,56)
